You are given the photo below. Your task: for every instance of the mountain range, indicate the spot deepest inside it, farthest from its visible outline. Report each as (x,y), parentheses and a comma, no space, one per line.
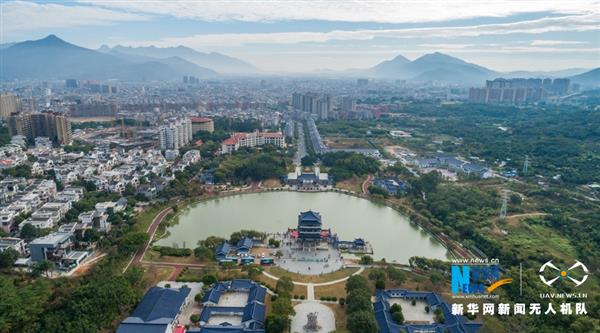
(54,58)
(431,67)
(215,61)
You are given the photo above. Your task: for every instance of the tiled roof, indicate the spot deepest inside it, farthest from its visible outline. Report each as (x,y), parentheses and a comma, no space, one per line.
(157,309)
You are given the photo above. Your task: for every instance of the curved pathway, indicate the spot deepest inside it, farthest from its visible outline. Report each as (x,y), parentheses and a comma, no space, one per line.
(366,184)
(310,287)
(151,231)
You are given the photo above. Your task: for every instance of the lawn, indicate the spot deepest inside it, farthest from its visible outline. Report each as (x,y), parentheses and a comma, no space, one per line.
(339,274)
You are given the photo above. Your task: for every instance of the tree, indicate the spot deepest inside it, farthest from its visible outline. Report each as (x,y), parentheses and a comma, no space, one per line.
(132,242)
(356,282)
(395,308)
(283,306)
(194,318)
(276,324)
(362,322)
(398,317)
(29,232)
(203,253)
(284,286)
(439,315)
(209,279)
(358,300)
(308,160)
(253,270)
(377,274)
(8,258)
(380,284)
(44,267)
(366,260)
(396,275)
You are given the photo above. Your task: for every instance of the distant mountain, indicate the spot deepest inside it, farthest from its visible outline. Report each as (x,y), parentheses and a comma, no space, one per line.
(390,66)
(54,58)
(215,61)
(178,64)
(432,67)
(589,79)
(543,74)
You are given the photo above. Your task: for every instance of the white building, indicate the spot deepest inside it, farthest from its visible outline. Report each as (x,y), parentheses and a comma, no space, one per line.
(253,139)
(175,134)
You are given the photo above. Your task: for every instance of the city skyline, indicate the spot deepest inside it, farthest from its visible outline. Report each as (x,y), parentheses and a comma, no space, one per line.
(293,37)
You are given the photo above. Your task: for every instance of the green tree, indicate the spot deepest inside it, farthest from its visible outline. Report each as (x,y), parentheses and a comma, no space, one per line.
(43,267)
(398,317)
(377,274)
(356,282)
(362,322)
(284,286)
(8,258)
(358,300)
(366,260)
(438,315)
(283,306)
(276,324)
(132,242)
(380,284)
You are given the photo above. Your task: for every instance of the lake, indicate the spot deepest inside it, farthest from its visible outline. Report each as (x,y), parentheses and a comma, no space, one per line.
(390,233)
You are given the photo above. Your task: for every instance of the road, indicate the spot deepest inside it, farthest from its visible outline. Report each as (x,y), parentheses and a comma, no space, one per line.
(366,184)
(301,144)
(151,231)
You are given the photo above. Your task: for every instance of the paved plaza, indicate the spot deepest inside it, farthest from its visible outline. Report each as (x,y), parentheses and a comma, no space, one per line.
(325,317)
(414,313)
(325,259)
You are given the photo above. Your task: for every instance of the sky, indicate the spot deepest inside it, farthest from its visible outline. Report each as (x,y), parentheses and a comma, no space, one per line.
(304,36)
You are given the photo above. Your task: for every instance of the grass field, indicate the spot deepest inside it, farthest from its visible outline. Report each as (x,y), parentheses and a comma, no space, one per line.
(339,274)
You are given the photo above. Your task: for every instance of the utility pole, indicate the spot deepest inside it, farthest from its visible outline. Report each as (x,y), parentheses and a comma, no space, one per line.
(526,165)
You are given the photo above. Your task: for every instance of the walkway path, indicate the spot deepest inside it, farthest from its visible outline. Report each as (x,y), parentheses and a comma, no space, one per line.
(366,184)
(151,231)
(310,287)
(310,292)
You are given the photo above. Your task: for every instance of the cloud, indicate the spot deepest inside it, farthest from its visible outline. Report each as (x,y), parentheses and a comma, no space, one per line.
(391,11)
(547,42)
(576,23)
(18,16)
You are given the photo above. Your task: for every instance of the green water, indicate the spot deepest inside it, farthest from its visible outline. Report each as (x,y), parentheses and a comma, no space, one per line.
(389,232)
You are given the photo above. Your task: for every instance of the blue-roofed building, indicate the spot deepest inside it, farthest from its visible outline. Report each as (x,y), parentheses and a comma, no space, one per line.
(244,245)
(222,250)
(451,324)
(233,306)
(309,226)
(392,186)
(157,312)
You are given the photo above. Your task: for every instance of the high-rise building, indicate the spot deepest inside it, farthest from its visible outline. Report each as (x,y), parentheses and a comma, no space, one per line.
(71,83)
(54,125)
(175,134)
(348,104)
(9,104)
(313,103)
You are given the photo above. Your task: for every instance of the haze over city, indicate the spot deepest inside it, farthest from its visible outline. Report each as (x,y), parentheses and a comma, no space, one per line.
(308,36)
